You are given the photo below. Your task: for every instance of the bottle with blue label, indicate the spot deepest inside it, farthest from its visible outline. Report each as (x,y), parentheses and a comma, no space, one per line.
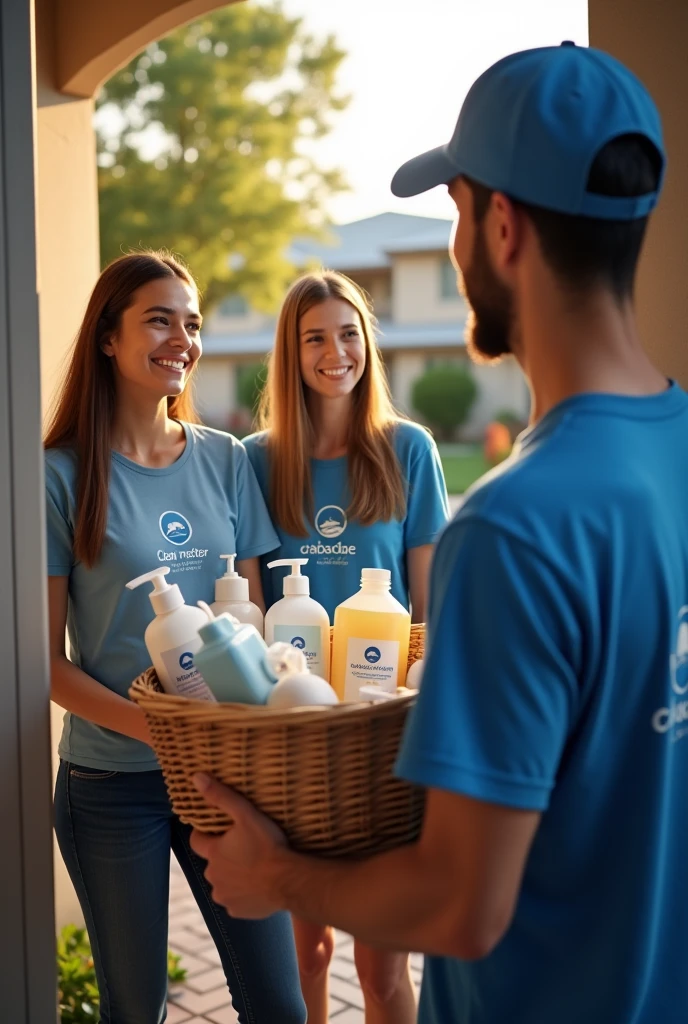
(233,660)
(172,637)
(299,620)
(371,638)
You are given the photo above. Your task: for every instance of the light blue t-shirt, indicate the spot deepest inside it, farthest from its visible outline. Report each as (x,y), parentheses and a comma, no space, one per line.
(556,680)
(336,547)
(185,516)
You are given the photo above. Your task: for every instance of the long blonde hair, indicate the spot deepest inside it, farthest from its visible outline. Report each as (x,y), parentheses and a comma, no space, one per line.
(375,478)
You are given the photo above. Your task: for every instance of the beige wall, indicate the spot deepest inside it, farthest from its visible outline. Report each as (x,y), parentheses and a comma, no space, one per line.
(651,38)
(416,296)
(215,389)
(246,323)
(403,368)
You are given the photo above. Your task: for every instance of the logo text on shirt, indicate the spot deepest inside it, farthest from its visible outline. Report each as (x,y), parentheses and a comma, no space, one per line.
(676,713)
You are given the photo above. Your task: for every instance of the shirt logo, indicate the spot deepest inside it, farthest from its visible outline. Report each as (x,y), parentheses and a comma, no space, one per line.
(331,521)
(372,654)
(672,719)
(679,660)
(175,528)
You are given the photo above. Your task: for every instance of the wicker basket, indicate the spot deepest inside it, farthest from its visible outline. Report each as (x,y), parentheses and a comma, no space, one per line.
(323,774)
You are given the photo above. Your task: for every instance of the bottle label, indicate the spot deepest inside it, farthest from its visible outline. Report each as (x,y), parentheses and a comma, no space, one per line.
(370,661)
(185,677)
(307,639)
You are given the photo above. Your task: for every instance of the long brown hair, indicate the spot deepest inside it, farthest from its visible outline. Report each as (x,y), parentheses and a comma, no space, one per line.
(374,472)
(83,412)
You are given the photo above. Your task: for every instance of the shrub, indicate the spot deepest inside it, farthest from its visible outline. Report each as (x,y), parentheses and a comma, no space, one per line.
(444,396)
(250,383)
(78,1000)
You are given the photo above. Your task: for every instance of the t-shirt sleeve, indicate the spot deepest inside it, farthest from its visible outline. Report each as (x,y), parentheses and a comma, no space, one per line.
(59,529)
(255,532)
(428,506)
(499,695)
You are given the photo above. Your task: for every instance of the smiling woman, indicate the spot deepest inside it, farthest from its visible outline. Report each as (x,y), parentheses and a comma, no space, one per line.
(350,484)
(131,478)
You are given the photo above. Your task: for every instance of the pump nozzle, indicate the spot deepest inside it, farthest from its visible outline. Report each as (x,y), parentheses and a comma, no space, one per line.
(230,572)
(156,577)
(231,586)
(164,597)
(294,583)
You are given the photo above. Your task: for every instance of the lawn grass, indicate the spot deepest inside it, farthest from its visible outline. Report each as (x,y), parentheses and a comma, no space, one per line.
(461,470)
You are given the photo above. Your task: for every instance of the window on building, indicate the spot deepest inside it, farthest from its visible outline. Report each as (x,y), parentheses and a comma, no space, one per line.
(233,305)
(448,280)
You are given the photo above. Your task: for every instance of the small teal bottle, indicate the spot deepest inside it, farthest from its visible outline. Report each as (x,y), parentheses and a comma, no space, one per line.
(233,660)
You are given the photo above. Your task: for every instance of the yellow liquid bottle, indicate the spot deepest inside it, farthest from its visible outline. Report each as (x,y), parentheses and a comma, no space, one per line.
(371,638)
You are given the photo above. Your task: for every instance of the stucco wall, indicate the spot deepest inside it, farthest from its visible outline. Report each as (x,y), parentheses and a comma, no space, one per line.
(416,294)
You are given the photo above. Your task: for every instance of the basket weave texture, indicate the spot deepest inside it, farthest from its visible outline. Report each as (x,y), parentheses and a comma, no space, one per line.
(325,775)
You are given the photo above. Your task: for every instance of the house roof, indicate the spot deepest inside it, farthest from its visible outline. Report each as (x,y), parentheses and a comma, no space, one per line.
(392,336)
(366,244)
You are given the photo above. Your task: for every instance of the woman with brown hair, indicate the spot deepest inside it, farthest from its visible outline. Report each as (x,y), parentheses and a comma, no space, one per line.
(133,482)
(349,484)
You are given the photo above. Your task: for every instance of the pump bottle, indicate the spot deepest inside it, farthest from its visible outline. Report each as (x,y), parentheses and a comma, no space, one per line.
(299,620)
(172,637)
(231,595)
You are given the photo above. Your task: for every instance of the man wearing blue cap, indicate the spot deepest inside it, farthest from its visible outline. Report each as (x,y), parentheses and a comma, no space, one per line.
(551,730)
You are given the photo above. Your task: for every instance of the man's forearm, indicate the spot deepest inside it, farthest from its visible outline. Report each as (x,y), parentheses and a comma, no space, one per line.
(391,900)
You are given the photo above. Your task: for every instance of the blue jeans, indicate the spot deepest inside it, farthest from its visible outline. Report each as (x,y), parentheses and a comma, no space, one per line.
(115,831)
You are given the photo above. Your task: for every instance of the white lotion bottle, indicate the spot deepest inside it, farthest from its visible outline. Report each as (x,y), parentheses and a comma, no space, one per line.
(231,596)
(172,637)
(299,620)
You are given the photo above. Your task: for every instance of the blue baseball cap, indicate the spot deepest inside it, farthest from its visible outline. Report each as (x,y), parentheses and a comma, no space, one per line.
(532,125)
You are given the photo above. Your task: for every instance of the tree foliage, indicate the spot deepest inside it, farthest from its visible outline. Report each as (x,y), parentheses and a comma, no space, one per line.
(204,145)
(444,396)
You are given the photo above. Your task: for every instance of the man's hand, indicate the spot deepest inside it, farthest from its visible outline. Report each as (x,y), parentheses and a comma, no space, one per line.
(243,862)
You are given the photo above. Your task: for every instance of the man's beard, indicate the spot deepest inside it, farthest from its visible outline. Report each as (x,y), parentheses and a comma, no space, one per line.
(491,315)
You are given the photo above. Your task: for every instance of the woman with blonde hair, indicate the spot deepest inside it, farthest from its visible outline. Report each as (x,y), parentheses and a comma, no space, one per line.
(134,482)
(349,484)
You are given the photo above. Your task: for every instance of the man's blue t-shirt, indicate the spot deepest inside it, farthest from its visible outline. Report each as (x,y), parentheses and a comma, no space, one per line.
(336,547)
(184,516)
(556,680)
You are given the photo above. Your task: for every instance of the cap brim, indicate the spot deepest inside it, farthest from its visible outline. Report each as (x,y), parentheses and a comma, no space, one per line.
(424,172)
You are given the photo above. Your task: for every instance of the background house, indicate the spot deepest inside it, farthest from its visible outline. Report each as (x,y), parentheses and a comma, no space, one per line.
(402,262)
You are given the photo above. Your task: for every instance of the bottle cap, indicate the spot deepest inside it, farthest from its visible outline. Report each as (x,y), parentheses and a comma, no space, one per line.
(164,597)
(380,576)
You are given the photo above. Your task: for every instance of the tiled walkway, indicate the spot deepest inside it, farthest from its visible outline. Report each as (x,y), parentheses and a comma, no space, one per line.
(203,998)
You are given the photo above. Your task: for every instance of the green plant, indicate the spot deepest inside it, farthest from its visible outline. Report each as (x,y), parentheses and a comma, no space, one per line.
(250,383)
(444,396)
(78,1000)
(76,978)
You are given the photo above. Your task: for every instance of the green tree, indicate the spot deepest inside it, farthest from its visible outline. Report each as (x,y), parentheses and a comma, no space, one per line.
(444,396)
(250,383)
(203,146)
